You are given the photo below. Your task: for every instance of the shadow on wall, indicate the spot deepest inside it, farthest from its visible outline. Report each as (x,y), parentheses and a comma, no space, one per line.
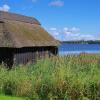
(6,57)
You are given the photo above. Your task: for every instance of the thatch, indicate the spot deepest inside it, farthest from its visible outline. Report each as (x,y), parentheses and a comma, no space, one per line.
(19,33)
(17,17)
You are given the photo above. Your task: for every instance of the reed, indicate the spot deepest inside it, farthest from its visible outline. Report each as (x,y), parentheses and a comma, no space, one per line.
(72,77)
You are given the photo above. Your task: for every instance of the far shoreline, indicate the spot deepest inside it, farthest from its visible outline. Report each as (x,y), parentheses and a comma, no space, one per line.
(82,42)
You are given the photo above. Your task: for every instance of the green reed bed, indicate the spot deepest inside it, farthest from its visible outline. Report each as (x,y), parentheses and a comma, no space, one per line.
(74,77)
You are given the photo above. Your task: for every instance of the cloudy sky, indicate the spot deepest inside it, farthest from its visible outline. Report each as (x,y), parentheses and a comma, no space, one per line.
(63,19)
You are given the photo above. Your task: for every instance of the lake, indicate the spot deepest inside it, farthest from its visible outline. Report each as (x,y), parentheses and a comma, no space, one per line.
(65,49)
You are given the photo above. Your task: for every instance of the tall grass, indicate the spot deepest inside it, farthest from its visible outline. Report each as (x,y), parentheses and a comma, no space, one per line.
(74,77)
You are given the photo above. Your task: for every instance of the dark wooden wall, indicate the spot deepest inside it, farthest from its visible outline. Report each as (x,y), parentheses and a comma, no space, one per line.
(6,56)
(30,55)
(16,56)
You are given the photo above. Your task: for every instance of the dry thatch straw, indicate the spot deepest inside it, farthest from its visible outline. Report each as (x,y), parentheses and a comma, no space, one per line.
(21,31)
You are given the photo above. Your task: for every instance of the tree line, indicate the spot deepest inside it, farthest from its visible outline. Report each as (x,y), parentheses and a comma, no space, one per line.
(83,42)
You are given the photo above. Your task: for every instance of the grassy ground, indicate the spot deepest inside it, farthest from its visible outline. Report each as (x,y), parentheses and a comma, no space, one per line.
(3,97)
(60,78)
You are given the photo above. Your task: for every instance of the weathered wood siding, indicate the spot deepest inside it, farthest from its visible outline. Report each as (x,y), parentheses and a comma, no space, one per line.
(30,55)
(24,55)
(16,56)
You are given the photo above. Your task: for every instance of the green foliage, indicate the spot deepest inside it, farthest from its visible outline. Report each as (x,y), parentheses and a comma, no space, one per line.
(74,77)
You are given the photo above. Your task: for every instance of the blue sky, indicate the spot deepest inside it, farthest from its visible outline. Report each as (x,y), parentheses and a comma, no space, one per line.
(63,19)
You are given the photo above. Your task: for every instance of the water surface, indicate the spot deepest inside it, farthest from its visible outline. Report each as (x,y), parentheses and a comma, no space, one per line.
(65,48)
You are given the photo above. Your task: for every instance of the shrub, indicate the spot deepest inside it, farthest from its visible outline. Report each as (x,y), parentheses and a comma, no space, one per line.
(9,88)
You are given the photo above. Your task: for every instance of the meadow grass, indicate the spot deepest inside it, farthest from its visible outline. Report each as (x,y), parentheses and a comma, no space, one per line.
(3,97)
(72,77)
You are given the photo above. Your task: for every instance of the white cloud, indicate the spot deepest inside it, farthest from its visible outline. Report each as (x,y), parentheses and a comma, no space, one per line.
(71,30)
(54,32)
(87,37)
(5,8)
(57,3)
(71,34)
(74,29)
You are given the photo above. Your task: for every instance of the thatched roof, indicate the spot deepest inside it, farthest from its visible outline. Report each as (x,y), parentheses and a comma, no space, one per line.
(17,17)
(21,31)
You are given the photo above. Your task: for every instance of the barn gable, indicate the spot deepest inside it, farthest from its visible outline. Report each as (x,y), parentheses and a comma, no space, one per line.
(23,40)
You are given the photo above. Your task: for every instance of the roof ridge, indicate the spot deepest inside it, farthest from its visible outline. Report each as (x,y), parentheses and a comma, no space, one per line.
(18,17)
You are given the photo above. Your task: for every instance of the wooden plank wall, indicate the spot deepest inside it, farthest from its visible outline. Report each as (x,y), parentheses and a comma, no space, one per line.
(16,56)
(31,55)
(24,56)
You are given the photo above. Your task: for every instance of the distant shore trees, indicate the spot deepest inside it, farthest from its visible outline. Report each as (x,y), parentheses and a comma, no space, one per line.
(82,41)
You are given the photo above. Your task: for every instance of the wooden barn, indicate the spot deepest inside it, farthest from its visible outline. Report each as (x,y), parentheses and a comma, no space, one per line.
(23,40)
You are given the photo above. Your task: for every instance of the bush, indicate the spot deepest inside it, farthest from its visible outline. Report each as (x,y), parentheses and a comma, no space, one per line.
(9,88)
